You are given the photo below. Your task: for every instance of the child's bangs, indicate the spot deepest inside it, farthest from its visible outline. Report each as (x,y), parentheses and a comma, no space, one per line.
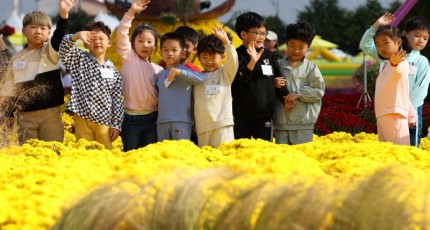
(37,18)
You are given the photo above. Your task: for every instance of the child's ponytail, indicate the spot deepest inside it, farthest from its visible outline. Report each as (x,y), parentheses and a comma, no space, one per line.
(406,45)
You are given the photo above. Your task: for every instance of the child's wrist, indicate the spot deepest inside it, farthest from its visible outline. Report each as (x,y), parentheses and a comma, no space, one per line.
(393,64)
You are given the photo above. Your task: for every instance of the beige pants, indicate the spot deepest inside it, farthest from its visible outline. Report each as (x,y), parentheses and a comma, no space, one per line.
(92,131)
(44,124)
(215,137)
(393,128)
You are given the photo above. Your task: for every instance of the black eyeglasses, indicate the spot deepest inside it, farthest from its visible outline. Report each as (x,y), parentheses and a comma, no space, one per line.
(258,34)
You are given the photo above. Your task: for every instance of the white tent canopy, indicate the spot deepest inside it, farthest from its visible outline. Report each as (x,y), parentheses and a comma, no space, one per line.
(15,21)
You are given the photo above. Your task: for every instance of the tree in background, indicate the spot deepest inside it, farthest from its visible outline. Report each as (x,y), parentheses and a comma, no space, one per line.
(77,19)
(275,24)
(341,26)
(329,20)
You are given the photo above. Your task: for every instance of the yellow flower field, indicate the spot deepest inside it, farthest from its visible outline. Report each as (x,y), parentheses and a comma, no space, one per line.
(338,181)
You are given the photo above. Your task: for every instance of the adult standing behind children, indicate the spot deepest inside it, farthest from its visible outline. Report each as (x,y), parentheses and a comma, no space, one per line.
(34,72)
(175,85)
(96,85)
(271,43)
(139,127)
(417,32)
(393,108)
(212,100)
(253,88)
(5,121)
(296,116)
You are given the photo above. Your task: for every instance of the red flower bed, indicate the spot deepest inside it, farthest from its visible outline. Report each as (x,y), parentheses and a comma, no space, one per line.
(339,112)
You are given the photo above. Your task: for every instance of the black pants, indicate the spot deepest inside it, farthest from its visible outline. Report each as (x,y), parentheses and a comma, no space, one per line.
(256,127)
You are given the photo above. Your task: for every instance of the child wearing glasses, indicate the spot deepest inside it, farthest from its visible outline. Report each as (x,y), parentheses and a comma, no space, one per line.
(253,88)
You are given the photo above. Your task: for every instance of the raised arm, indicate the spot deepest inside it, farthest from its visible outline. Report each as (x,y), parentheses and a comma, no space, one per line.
(69,53)
(367,43)
(231,66)
(123,44)
(63,23)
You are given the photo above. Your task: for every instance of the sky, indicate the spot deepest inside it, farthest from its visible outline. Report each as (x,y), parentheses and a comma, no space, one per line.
(288,9)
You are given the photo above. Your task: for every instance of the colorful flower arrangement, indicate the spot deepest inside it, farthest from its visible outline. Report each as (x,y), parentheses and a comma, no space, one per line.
(341,180)
(248,181)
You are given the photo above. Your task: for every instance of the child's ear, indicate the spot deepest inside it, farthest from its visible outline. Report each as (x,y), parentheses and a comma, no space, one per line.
(110,43)
(242,34)
(222,57)
(195,49)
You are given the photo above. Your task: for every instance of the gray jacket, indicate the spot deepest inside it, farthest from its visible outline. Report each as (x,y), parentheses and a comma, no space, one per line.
(307,81)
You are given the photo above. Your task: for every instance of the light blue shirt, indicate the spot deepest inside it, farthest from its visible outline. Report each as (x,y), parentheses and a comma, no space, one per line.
(174,101)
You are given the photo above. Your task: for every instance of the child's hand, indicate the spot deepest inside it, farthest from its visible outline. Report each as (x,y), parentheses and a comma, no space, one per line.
(288,106)
(65,7)
(395,59)
(253,52)
(113,134)
(138,6)
(291,97)
(2,43)
(174,72)
(85,36)
(221,34)
(280,82)
(385,19)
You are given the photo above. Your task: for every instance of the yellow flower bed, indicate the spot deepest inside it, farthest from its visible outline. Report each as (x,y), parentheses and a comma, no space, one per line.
(338,181)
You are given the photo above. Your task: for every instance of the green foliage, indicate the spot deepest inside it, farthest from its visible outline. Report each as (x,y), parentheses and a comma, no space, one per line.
(335,23)
(77,20)
(275,24)
(169,19)
(372,70)
(184,7)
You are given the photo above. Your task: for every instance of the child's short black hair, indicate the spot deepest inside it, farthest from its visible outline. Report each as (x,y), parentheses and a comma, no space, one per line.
(210,44)
(98,26)
(300,31)
(172,36)
(188,33)
(417,23)
(248,21)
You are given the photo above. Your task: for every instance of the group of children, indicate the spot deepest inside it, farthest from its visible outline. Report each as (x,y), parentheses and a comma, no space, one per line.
(252,95)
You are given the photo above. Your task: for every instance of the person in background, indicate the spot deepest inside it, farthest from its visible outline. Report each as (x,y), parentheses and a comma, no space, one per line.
(271,44)
(393,108)
(191,38)
(96,85)
(139,127)
(296,116)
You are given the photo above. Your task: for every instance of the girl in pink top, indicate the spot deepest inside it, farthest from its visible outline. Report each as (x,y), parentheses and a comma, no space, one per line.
(393,109)
(138,75)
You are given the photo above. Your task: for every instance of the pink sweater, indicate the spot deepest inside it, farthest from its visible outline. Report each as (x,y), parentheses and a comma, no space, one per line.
(392,91)
(138,76)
